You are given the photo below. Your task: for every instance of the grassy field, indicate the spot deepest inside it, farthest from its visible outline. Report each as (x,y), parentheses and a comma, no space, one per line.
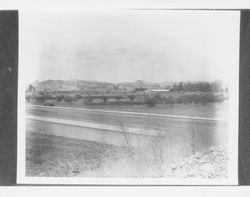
(51,156)
(54,156)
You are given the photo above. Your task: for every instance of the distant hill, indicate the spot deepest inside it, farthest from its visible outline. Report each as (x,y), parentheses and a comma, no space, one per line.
(68,85)
(78,85)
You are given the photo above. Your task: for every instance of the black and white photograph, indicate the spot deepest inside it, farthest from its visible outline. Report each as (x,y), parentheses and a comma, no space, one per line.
(128,97)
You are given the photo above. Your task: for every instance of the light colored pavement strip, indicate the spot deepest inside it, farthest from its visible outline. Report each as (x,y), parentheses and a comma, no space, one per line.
(140,131)
(134,113)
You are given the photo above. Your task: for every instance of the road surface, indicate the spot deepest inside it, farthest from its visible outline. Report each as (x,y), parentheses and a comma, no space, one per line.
(117,120)
(106,126)
(120,118)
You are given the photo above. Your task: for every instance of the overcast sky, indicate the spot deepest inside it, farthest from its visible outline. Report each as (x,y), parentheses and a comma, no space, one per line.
(125,46)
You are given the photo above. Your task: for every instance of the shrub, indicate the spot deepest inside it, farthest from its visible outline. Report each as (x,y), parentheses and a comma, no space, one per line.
(60,98)
(151,101)
(131,97)
(169,100)
(194,98)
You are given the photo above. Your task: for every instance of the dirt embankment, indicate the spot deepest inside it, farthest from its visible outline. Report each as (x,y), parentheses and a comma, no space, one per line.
(209,164)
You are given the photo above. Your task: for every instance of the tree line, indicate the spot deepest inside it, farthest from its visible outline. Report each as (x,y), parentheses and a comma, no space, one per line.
(215,86)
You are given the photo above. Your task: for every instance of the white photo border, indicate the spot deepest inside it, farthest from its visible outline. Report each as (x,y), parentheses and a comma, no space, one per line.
(233,132)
